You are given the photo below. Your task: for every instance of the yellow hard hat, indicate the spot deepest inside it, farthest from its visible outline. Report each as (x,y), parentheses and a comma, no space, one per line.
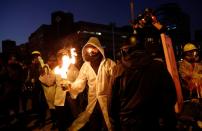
(36,52)
(189,47)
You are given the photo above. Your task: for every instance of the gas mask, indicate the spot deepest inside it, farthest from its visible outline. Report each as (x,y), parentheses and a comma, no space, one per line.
(92,54)
(192,56)
(92,51)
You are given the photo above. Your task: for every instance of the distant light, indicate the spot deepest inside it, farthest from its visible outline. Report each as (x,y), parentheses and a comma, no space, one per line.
(88,32)
(133,40)
(124,36)
(92,33)
(98,33)
(135,32)
(171,27)
(174,27)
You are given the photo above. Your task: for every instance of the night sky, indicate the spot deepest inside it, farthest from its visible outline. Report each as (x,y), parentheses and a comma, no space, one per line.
(20,18)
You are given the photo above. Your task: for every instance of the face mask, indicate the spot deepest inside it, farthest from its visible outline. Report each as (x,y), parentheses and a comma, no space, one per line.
(192,56)
(92,51)
(93,58)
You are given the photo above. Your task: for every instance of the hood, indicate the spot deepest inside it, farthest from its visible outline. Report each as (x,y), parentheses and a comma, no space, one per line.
(96,43)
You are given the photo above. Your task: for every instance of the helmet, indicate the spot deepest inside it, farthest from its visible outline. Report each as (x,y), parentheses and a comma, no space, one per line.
(191,52)
(36,52)
(189,47)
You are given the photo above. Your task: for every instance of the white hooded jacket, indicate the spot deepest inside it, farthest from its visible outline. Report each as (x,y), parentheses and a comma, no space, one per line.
(100,86)
(54,93)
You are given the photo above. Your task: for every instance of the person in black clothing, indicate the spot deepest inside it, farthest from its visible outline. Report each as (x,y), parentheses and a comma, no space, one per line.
(15,79)
(37,95)
(10,85)
(143,95)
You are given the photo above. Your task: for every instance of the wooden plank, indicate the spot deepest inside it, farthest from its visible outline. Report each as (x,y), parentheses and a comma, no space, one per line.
(172,68)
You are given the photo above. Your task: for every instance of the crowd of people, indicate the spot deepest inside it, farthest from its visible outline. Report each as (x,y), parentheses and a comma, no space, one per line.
(134,93)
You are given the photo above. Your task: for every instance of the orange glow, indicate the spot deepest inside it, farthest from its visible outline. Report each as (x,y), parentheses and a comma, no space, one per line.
(66,62)
(89,50)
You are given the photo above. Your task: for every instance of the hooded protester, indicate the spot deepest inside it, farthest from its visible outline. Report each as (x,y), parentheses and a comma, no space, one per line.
(10,85)
(144,93)
(97,73)
(34,89)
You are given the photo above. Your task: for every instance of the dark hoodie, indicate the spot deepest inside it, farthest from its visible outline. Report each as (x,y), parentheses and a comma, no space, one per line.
(143,95)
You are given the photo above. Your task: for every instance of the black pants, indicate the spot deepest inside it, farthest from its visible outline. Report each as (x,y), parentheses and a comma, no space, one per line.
(39,104)
(64,116)
(53,115)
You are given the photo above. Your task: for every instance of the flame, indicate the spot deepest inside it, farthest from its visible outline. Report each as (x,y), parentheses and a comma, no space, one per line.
(66,62)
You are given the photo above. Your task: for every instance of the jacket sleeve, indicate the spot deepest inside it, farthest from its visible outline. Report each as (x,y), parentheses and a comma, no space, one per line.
(48,79)
(111,67)
(111,70)
(79,84)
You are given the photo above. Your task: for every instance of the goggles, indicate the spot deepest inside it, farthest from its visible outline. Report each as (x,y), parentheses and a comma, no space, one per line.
(192,53)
